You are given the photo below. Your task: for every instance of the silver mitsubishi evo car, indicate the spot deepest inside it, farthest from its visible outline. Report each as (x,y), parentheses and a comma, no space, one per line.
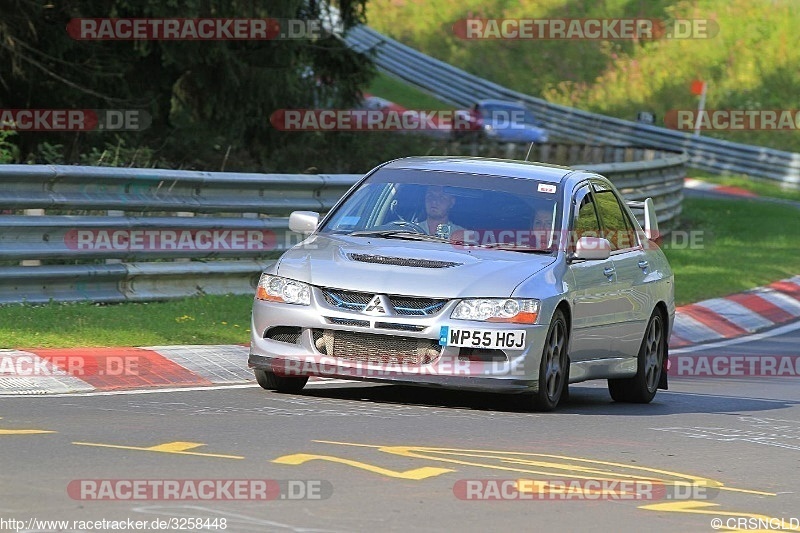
(471,273)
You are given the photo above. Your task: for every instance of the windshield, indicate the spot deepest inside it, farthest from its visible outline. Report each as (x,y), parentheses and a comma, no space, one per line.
(462,209)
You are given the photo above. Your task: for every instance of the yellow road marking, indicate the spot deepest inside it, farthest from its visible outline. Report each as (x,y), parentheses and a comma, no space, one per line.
(177,447)
(415,473)
(24,431)
(562,467)
(546,465)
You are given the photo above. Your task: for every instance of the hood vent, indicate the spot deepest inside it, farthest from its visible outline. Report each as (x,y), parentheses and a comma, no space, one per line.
(401,261)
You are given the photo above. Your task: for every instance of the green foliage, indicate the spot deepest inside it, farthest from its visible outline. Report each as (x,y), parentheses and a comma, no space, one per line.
(210,101)
(9,152)
(119,155)
(750,64)
(47,154)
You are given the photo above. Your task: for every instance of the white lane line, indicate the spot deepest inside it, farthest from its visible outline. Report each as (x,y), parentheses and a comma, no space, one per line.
(780,330)
(156,391)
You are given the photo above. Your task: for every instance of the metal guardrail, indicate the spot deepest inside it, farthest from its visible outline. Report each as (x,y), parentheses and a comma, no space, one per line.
(462,89)
(121,234)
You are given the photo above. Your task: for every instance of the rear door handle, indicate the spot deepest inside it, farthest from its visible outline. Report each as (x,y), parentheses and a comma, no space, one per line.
(643,264)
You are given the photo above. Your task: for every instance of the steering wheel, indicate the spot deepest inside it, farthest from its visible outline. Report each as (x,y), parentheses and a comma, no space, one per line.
(405,225)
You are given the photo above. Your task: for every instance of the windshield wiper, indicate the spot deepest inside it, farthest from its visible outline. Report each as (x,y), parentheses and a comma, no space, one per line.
(512,248)
(396,234)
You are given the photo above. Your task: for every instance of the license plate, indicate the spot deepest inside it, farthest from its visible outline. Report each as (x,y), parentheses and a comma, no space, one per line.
(490,339)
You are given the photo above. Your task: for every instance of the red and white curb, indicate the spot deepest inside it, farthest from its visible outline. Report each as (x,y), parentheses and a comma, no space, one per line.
(88,370)
(699,185)
(737,314)
(84,370)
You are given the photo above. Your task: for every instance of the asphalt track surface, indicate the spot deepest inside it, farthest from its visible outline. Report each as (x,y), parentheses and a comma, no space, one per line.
(398,458)
(715,452)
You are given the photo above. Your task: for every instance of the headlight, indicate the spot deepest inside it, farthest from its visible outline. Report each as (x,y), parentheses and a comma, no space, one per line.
(498,310)
(277,289)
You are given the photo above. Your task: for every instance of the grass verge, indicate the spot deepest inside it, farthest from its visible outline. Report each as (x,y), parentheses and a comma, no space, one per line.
(745,244)
(407,96)
(202,320)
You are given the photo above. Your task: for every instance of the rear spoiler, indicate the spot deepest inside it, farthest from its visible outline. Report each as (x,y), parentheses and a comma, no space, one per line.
(650,219)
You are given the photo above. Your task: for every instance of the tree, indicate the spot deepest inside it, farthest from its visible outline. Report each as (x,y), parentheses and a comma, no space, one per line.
(206,98)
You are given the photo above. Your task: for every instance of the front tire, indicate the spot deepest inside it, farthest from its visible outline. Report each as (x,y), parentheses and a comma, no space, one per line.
(271,381)
(642,387)
(553,368)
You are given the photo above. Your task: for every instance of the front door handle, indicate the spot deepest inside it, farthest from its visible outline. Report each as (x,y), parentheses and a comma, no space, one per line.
(609,271)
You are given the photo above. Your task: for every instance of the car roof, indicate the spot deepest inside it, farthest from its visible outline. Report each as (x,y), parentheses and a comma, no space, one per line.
(484,166)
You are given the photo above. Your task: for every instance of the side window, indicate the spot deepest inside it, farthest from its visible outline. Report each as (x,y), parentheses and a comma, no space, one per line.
(585,223)
(617,227)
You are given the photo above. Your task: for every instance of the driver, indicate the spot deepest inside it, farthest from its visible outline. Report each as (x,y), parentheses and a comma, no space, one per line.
(438,204)
(542,228)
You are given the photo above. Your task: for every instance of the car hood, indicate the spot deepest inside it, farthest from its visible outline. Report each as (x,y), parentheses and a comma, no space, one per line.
(328,261)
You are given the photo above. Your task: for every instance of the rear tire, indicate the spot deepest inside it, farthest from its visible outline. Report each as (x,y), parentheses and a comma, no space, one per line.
(643,386)
(553,368)
(271,381)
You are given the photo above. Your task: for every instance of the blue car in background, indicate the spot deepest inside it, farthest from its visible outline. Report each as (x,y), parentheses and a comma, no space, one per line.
(501,121)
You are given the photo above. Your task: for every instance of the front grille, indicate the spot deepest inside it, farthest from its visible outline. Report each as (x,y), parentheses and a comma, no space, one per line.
(403,305)
(288,334)
(401,261)
(375,349)
(416,306)
(354,301)
(399,327)
(348,322)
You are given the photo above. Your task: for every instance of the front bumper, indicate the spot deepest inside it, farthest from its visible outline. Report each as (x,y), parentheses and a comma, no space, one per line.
(513,371)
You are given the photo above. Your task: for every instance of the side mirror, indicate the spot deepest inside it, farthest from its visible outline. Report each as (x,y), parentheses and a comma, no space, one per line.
(592,248)
(650,222)
(303,221)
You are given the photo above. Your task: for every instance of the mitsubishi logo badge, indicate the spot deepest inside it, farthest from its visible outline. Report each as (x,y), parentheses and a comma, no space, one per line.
(376,306)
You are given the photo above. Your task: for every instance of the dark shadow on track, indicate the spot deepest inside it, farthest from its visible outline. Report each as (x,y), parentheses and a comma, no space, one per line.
(582,400)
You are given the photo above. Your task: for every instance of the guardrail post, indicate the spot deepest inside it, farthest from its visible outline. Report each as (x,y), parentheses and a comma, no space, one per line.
(114,213)
(32,213)
(183,214)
